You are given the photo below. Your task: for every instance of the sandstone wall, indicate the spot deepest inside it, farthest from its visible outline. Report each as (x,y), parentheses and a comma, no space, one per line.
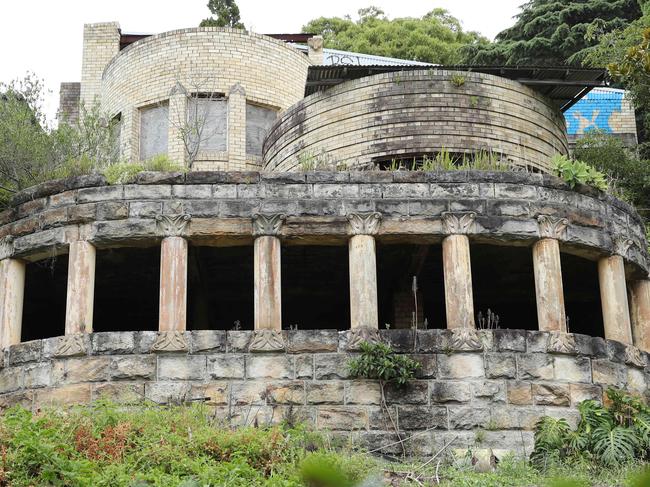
(415,112)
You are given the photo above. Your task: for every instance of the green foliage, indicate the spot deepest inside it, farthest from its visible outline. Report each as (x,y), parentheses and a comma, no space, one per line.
(458,80)
(611,435)
(575,172)
(444,160)
(437,37)
(103,446)
(126,172)
(379,361)
(227,13)
(552,32)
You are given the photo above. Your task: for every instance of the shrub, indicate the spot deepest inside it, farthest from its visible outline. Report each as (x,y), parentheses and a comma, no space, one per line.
(575,172)
(379,361)
(126,172)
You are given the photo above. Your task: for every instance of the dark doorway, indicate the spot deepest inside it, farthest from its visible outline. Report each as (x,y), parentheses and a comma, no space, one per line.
(582,296)
(46,283)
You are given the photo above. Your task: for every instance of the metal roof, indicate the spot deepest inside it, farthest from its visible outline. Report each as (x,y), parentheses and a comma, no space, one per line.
(336,57)
(562,84)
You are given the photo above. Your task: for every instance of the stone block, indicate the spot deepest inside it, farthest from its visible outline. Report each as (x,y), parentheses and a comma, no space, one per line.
(489,391)
(460,366)
(313,341)
(145,209)
(535,366)
(87,369)
(228,366)
(24,399)
(135,367)
(289,392)
(450,391)
(249,392)
(181,367)
(113,343)
(37,375)
(331,366)
(583,392)
(428,365)
(304,366)
(103,193)
(401,340)
(571,416)
(346,418)
(246,416)
(62,396)
(66,346)
(500,366)
(213,394)
(591,346)
(120,392)
(517,418)
(167,392)
(362,392)
(145,340)
(22,353)
(519,393)
(608,373)
(422,417)
(269,367)
(413,392)
(154,192)
(237,340)
(207,341)
(572,369)
(510,340)
(112,210)
(468,417)
(636,381)
(291,415)
(326,392)
(11,379)
(551,394)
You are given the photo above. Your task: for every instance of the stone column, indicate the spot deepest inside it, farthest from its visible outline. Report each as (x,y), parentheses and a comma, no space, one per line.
(173,273)
(315,53)
(267,271)
(81,288)
(363,270)
(236,128)
(456,262)
(547,265)
(178,121)
(639,293)
(613,294)
(12,290)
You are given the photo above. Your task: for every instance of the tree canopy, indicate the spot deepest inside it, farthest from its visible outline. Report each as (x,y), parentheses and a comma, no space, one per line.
(227,13)
(556,32)
(437,37)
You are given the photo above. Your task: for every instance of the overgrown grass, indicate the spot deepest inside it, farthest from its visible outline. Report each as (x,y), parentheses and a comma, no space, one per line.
(126,172)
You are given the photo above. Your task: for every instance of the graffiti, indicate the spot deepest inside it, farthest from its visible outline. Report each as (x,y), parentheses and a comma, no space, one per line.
(601,109)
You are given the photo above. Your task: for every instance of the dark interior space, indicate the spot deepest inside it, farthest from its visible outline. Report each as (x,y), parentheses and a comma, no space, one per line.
(220,288)
(582,296)
(127,283)
(397,265)
(504,286)
(46,284)
(315,287)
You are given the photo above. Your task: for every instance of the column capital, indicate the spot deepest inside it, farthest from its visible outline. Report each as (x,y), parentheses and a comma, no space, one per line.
(172,225)
(458,223)
(364,223)
(237,89)
(621,245)
(268,225)
(6,247)
(552,227)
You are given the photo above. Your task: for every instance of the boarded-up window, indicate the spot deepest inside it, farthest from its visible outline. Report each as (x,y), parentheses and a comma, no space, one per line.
(208,123)
(258,123)
(153,131)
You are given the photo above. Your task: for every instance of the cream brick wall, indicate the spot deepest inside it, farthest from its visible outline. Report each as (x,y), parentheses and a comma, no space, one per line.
(101,44)
(216,60)
(413,112)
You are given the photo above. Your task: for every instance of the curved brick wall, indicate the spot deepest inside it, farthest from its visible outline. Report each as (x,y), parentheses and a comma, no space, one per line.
(502,383)
(390,114)
(270,72)
(47,217)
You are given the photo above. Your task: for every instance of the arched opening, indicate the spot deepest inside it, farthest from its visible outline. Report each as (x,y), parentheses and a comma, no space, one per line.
(220,288)
(46,283)
(410,286)
(582,296)
(504,287)
(127,283)
(315,287)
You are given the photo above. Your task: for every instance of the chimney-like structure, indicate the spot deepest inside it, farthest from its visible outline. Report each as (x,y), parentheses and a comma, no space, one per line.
(316,55)
(101,44)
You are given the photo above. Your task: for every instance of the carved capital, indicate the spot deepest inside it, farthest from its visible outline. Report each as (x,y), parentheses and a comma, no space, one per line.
(550,227)
(237,89)
(316,43)
(560,342)
(458,223)
(6,247)
(465,340)
(170,341)
(364,334)
(71,346)
(633,357)
(172,225)
(178,89)
(364,223)
(622,245)
(267,225)
(267,341)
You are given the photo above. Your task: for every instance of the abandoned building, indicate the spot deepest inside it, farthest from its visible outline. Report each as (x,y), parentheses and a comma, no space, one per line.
(248,281)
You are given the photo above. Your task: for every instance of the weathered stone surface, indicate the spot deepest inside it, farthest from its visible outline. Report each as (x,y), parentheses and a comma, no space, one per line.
(519,393)
(583,392)
(140,367)
(11,379)
(181,367)
(237,341)
(572,369)
(342,418)
(449,391)
(167,392)
(228,366)
(203,341)
(428,366)
(313,341)
(413,392)
(25,352)
(269,367)
(608,373)
(331,366)
(500,366)
(60,396)
(325,392)
(460,365)
(551,394)
(250,392)
(213,394)
(422,417)
(362,392)
(468,417)
(66,346)
(535,366)
(37,375)
(22,398)
(510,340)
(516,417)
(304,366)
(113,343)
(290,392)
(119,392)
(489,391)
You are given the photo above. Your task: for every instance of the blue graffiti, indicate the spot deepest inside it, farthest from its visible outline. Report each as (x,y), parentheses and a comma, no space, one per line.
(594,112)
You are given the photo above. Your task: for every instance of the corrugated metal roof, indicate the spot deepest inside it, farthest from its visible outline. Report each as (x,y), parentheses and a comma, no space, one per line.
(335,57)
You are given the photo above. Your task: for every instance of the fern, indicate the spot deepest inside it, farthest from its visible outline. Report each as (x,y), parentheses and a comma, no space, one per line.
(615,445)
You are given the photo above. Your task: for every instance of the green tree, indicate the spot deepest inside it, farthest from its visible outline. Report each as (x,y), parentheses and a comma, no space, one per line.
(437,37)
(227,13)
(556,32)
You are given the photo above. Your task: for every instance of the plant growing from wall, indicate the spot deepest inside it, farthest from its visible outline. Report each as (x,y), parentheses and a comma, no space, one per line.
(610,435)
(126,172)
(577,172)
